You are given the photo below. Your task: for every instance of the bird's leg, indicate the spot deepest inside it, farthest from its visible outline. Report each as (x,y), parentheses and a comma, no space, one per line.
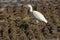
(37,21)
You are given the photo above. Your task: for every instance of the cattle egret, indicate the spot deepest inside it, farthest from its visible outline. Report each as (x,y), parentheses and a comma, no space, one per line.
(37,15)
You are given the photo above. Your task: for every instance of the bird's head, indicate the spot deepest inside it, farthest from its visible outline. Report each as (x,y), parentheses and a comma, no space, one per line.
(28,6)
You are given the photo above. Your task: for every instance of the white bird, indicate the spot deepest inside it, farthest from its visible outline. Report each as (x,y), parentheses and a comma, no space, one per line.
(37,15)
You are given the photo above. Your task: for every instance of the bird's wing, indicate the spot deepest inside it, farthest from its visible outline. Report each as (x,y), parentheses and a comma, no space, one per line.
(38,15)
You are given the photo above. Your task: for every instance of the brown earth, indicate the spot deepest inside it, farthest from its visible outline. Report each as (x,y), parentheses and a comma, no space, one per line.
(17,24)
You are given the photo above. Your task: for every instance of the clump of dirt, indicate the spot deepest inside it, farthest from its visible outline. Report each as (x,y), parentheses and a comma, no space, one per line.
(17,24)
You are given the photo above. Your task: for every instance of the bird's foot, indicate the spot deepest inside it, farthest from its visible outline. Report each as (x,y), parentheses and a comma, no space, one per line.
(37,21)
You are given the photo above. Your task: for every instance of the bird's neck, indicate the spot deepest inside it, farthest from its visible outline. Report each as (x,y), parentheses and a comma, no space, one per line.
(31,9)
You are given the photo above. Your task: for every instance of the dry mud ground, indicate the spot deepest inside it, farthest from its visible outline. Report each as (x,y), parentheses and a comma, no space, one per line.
(17,24)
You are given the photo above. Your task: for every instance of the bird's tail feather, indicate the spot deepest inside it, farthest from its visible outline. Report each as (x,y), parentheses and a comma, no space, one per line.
(46,21)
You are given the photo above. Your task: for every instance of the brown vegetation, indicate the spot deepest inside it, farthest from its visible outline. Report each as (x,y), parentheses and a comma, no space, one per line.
(17,24)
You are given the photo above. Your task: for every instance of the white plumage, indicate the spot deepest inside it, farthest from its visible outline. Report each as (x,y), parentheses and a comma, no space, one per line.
(37,15)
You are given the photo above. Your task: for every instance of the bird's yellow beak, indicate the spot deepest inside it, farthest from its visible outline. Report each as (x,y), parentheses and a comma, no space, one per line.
(25,6)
